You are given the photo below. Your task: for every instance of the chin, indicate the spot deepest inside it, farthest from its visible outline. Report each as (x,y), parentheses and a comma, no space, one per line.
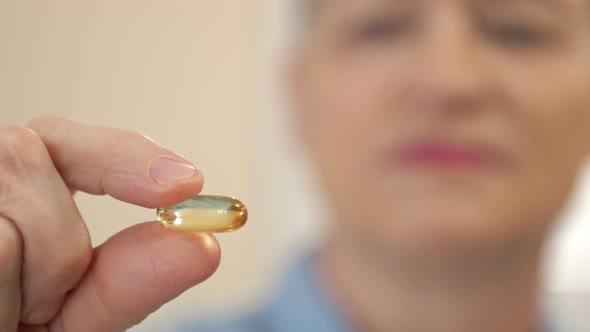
(436,232)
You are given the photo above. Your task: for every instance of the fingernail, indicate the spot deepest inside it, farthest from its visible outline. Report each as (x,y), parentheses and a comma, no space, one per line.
(165,171)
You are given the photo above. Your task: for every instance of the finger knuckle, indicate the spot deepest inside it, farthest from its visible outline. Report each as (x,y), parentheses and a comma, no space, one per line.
(123,145)
(126,138)
(46,122)
(21,151)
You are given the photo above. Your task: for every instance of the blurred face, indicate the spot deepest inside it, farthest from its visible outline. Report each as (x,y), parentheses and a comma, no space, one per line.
(446,124)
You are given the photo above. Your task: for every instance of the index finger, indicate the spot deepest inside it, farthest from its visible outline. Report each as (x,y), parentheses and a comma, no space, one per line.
(123,164)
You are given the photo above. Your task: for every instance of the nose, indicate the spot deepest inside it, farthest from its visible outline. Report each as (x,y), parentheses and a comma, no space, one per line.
(454,73)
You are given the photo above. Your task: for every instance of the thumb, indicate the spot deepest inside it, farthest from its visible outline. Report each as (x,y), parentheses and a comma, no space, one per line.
(133,274)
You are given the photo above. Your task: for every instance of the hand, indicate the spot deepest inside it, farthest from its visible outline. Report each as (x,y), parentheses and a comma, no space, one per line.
(51,279)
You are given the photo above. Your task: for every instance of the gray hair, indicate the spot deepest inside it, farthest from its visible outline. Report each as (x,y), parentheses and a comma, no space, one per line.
(302,14)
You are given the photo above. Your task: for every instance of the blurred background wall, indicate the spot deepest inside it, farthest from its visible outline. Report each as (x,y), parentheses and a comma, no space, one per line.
(200,77)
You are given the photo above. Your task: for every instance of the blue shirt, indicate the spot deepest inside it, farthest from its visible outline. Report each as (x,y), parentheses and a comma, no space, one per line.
(300,305)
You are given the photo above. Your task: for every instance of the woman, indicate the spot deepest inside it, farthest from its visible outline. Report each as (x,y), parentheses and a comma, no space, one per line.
(447,136)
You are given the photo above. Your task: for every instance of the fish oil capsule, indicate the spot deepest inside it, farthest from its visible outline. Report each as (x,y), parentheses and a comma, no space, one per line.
(206,214)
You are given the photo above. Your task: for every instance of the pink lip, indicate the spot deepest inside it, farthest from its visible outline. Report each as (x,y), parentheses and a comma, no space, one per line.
(441,155)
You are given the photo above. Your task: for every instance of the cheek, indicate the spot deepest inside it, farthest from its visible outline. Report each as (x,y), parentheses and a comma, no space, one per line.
(552,102)
(550,120)
(346,117)
(554,118)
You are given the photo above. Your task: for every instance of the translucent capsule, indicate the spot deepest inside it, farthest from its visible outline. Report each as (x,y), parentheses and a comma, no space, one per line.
(206,214)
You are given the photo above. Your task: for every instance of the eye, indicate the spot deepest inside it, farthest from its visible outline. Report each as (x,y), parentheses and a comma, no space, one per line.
(516,35)
(377,30)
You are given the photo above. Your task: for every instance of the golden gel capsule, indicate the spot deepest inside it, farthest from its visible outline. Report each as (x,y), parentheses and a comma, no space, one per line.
(206,214)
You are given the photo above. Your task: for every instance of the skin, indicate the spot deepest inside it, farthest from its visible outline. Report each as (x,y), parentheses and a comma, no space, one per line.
(458,246)
(51,279)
